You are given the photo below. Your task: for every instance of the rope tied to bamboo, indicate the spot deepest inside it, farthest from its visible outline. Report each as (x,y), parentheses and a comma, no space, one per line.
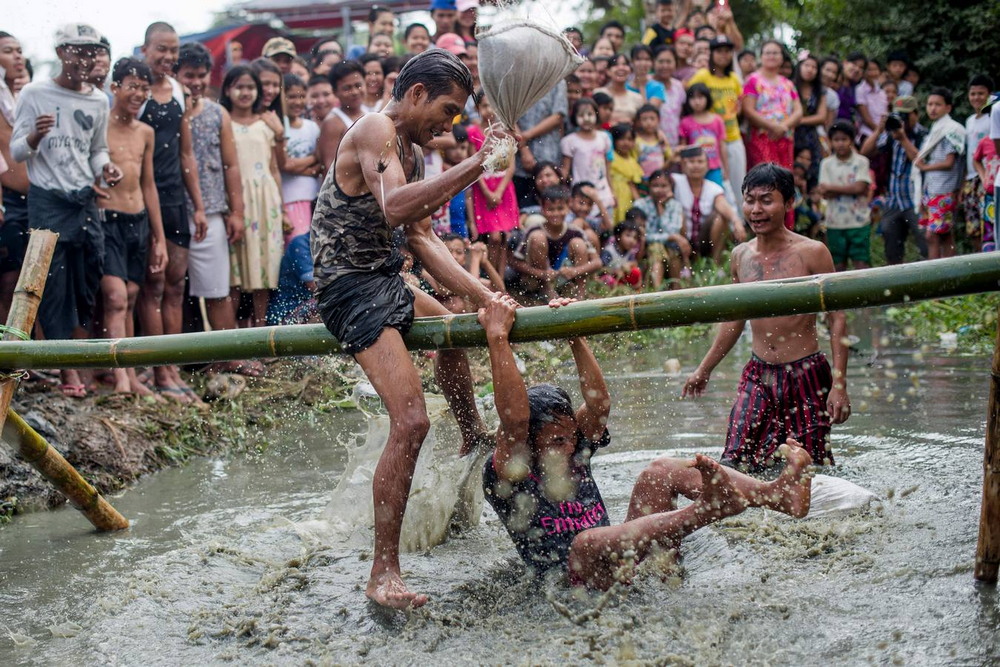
(4,329)
(13,376)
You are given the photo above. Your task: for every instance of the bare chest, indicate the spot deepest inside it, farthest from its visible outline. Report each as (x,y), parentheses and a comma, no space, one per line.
(754,265)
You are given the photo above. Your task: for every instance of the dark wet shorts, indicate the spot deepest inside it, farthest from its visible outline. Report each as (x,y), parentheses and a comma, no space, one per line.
(356,307)
(775,402)
(14,232)
(175,225)
(126,239)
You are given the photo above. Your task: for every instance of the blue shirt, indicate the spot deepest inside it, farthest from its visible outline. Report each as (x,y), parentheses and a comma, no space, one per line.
(291,301)
(456,213)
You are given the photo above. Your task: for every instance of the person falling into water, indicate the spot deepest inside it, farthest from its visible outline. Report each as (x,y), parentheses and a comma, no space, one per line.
(539,481)
(375,186)
(787,389)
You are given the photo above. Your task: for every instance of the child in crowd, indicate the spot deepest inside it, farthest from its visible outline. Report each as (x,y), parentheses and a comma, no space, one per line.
(808,215)
(255,261)
(319,94)
(494,202)
(626,174)
(272,102)
(650,142)
(585,153)
(844,181)
(977,126)
(130,214)
(459,207)
(701,126)
(605,107)
(555,255)
(987,164)
(620,256)
(294,301)
(667,243)
(939,170)
(583,198)
(473,258)
(299,186)
(870,99)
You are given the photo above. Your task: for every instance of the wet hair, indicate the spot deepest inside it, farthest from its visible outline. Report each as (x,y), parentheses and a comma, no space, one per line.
(155,27)
(460,133)
(554,194)
(293,81)
(546,403)
(376,11)
(640,48)
(646,108)
(588,102)
(984,80)
(193,55)
(315,50)
(344,69)
(317,79)
(130,67)
(438,70)
(543,165)
(620,131)
(695,90)
(578,189)
(625,225)
(843,126)
(235,73)
(261,65)
(599,99)
(771,176)
(612,24)
(415,26)
(943,93)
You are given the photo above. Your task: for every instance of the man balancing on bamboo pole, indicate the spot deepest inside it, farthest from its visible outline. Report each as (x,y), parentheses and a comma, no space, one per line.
(787,389)
(376,186)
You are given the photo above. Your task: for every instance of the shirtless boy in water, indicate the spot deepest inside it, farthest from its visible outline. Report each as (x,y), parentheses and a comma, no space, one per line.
(130,215)
(539,481)
(787,389)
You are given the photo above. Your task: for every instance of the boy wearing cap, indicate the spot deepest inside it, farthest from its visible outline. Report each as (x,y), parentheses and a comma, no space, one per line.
(60,130)
(443,13)
(281,51)
(901,143)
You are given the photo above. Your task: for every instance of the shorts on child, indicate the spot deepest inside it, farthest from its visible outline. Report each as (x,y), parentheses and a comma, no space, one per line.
(989,222)
(175,225)
(972,199)
(938,213)
(775,402)
(208,260)
(126,242)
(850,244)
(662,252)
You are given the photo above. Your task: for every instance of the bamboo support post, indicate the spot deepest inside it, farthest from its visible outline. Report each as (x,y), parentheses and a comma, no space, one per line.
(988,547)
(31,446)
(34,449)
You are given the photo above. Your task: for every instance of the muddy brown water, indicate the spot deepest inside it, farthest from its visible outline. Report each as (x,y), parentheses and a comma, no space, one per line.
(216,571)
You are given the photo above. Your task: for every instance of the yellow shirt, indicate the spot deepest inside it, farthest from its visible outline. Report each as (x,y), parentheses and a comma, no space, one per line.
(625,171)
(725,97)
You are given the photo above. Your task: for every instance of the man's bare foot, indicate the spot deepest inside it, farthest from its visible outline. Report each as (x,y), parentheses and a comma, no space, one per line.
(792,491)
(719,498)
(388,590)
(121,382)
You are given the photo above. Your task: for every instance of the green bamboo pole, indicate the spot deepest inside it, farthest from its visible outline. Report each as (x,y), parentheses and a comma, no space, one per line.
(34,449)
(836,291)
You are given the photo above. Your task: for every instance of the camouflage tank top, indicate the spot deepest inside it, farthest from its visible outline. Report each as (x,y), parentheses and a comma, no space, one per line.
(350,234)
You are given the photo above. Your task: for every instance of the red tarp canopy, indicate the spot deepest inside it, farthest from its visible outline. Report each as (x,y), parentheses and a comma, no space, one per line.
(323,14)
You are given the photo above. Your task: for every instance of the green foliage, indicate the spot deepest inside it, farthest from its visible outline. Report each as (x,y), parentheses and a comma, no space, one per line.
(972,317)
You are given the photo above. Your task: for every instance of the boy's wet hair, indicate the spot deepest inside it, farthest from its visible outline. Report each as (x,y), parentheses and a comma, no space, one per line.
(943,93)
(131,67)
(546,403)
(344,69)
(842,126)
(770,176)
(440,71)
(578,189)
(155,27)
(554,194)
(193,55)
(292,80)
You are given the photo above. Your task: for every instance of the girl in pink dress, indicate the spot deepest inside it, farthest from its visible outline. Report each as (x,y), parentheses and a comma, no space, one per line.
(494,204)
(771,104)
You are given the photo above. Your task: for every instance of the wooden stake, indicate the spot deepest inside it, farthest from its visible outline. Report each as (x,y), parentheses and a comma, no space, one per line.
(31,446)
(988,548)
(34,449)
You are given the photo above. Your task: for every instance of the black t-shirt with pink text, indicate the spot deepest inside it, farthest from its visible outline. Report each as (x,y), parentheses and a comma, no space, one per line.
(543,529)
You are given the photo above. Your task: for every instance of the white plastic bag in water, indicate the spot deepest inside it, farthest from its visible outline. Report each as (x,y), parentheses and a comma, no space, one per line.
(834,496)
(520,61)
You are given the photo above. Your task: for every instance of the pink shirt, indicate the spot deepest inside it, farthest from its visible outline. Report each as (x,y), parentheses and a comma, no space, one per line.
(710,136)
(874,100)
(775,98)
(986,153)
